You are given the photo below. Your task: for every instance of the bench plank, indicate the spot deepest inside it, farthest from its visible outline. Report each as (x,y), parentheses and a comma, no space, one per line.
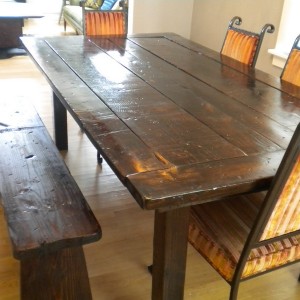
(44,208)
(87,110)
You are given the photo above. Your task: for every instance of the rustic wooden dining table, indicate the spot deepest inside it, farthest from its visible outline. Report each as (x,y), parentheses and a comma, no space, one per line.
(178,124)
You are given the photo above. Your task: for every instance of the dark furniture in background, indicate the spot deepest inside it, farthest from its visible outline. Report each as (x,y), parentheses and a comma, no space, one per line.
(12,17)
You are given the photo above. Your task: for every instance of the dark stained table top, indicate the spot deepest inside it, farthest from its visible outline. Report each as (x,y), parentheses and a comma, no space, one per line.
(176,125)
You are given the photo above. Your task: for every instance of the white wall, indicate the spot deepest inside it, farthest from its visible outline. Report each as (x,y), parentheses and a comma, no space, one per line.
(203,21)
(47,6)
(161,16)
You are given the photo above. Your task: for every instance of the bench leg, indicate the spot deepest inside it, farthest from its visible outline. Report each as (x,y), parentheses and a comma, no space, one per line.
(60,124)
(59,275)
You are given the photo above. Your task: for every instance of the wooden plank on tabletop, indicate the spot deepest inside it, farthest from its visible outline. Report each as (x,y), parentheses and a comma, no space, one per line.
(88,110)
(248,91)
(255,73)
(142,95)
(202,101)
(199,183)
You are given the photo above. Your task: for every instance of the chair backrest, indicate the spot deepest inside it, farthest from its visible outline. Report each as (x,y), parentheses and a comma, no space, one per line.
(279,215)
(291,70)
(243,45)
(281,211)
(106,22)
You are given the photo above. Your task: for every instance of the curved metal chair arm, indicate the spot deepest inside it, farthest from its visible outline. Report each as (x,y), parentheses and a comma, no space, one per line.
(269,28)
(295,45)
(235,20)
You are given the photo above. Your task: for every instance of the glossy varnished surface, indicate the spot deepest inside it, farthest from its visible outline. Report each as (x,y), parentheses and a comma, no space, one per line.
(47,216)
(45,210)
(40,212)
(117,264)
(175,125)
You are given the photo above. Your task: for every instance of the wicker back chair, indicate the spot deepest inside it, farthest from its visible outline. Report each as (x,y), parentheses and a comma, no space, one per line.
(243,45)
(249,235)
(291,70)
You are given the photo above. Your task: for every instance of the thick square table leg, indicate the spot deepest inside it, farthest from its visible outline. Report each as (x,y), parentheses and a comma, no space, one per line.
(59,275)
(169,254)
(60,124)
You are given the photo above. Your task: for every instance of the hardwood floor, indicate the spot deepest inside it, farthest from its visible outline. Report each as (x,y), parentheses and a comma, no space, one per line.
(117,264)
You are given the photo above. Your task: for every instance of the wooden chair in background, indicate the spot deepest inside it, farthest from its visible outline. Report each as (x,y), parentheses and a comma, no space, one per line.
(106,22)
(291,70)
(243,45)
(249,235)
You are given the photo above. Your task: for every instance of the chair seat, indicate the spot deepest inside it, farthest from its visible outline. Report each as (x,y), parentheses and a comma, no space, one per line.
(218,230)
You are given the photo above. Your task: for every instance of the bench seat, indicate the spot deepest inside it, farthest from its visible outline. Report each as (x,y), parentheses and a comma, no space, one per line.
(43,205)
(47,216)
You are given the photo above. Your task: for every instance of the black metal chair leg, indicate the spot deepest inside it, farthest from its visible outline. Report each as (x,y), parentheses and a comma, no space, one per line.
(99,158)
(234,290)
(150,269)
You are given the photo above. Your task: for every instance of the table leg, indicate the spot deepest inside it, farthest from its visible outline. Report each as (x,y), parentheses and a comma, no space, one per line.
(59,275)
(60,124)
(169,254)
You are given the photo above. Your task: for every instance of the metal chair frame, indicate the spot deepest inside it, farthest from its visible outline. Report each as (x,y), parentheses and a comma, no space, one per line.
(253,241)
(254,238)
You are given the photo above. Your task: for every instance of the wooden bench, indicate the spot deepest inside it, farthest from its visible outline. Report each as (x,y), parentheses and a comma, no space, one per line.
(47,216)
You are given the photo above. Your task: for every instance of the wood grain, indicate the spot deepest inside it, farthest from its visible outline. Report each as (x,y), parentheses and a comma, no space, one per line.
(44,208)
(117,265)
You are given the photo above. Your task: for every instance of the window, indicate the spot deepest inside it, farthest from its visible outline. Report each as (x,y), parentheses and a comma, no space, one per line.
(289,29)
